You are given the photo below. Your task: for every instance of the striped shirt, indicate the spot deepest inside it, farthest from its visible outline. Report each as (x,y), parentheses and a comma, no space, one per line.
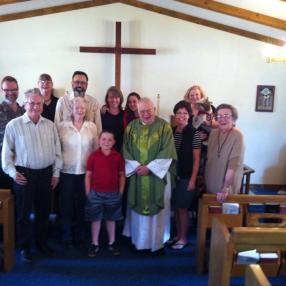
(64,110)
(178,137)
(34,146)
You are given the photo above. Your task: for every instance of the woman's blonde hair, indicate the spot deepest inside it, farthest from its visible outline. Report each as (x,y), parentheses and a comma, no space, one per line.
(186,96)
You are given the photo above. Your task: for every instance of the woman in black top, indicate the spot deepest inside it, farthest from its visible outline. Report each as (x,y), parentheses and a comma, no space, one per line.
(188,146)
(112,119)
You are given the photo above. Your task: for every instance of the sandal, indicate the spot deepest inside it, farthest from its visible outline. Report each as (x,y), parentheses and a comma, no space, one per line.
(171,241)
(179,245)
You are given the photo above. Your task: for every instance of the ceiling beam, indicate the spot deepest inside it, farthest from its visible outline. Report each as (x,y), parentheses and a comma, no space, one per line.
(203,22)
(5,2)
(238,12)
(146,6)
(54,9)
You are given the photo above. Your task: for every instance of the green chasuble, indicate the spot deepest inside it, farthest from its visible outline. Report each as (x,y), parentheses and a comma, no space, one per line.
(145,143)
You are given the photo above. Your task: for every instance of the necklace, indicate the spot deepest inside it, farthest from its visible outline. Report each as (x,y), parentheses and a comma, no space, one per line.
(220,146)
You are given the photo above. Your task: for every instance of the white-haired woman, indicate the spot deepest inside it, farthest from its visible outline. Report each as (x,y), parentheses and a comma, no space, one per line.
(224,168)
(78,139)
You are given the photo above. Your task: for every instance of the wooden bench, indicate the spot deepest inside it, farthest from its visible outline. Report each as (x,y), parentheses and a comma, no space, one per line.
(205,218)
(254,276)
(225,244)
(7,222)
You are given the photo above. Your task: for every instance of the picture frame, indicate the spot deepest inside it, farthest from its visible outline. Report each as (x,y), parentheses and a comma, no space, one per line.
(265,98)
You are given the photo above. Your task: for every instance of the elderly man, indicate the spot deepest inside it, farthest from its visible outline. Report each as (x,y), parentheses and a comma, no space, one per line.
(31,155)
(64,105)
(149,151)
(45,85)
(9,109)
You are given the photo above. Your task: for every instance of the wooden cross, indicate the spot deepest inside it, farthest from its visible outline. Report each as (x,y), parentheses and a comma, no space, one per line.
(118,51)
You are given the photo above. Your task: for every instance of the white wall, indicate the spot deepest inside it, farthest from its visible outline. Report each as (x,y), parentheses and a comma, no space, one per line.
(228,67)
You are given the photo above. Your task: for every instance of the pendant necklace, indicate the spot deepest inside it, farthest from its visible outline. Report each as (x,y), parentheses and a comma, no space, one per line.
(219,147)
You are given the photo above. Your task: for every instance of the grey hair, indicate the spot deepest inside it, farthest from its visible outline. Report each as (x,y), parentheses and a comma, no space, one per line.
(146,100)
(233,110)
(30,92)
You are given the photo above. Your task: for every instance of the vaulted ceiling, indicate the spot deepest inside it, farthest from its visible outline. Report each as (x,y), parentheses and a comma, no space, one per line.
(262,20)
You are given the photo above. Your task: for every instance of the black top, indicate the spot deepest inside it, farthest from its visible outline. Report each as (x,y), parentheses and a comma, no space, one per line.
(50,110)
(114,123)
(190,141)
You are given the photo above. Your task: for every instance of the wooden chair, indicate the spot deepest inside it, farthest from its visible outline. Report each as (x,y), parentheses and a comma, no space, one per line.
(225,244)
(254,276)
(205,218)
(7,221)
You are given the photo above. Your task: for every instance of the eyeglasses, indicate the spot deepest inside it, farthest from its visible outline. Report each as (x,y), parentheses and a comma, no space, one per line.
(10,90)
(223,116)
(78,82)
(46,81)
(147,111)
(35,103)
(182,113)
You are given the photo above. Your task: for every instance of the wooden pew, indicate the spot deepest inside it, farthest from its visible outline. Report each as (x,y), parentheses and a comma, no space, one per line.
(225,244)
(7,221)
(254,276)
(205,218)
(245,184)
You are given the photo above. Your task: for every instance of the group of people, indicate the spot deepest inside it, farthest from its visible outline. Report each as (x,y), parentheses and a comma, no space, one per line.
(94,156)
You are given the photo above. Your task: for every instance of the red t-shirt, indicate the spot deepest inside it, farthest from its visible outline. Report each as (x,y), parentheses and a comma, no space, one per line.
(105,170)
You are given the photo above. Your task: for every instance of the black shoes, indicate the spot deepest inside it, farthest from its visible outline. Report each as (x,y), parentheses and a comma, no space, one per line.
(68,244)
(159,252)
(114,249)
(26,256)
(93,250)
(45,249)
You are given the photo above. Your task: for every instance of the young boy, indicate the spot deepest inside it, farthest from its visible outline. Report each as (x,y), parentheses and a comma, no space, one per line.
(104,186)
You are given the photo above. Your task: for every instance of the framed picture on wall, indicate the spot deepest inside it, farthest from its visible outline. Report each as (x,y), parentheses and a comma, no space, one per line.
(265,98)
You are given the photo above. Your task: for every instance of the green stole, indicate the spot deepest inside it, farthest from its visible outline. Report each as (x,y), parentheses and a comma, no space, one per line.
(145,143)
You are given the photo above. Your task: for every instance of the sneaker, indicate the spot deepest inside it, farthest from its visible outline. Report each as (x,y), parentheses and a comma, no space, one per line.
(93,250)
(26,256)
(114,249)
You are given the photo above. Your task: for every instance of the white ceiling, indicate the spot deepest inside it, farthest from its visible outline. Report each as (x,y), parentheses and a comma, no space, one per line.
(274,8)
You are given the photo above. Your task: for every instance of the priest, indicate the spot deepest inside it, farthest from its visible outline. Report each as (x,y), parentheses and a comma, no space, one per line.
(149,152)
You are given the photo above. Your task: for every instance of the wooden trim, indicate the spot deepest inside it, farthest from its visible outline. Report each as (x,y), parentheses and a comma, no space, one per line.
(204,22)
(55,9)
(238,12)
(146,6)
(5,2)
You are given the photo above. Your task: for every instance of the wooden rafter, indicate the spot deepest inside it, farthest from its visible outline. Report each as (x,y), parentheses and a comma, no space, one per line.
(238,12)
(54,9)
(142,5)
(5,2)
(204,22)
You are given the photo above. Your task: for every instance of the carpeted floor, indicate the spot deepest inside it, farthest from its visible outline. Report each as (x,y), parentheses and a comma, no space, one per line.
(72,267)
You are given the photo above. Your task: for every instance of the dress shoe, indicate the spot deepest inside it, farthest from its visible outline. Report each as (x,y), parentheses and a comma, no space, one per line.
(68,244)
(26,256)
(159,252)
(45,249)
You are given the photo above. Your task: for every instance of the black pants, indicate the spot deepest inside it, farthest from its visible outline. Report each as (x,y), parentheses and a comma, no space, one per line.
(72,201)
(35,195)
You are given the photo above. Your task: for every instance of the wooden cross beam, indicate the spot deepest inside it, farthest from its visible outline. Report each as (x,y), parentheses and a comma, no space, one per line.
(118,51)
